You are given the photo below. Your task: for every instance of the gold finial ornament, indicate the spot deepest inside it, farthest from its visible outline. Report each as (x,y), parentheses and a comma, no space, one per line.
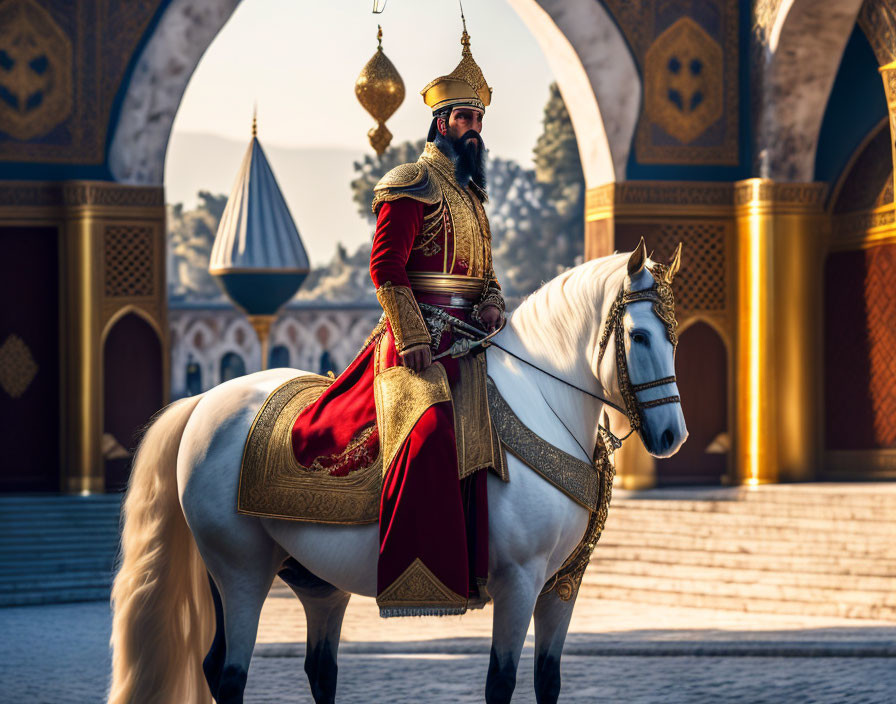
(380,91)
(255,122)
(465,85)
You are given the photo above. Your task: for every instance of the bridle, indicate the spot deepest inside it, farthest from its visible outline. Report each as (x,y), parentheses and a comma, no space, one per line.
(660,294)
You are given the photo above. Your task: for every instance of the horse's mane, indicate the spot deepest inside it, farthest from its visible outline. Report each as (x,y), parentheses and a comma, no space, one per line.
(562,309)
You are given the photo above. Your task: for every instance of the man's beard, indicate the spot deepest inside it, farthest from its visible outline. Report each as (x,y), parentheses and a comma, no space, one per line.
(468,157)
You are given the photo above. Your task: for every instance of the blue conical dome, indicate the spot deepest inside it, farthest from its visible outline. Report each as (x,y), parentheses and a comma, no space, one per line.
(258,256)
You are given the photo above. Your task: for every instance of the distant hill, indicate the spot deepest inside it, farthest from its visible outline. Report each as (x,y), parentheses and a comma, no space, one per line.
(314,181)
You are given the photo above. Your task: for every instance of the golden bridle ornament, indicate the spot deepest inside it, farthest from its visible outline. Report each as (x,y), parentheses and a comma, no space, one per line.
(380,91)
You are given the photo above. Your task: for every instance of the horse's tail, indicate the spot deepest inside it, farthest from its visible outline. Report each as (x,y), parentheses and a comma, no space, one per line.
(163,612)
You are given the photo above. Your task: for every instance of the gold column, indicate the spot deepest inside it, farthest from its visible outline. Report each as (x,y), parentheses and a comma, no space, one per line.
(83,359)
(635,468)
(599,209)
(262,326)
(888,74)
(777,348)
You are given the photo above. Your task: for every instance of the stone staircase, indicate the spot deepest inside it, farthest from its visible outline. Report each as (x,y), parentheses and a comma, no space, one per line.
(57,549)
(807,549)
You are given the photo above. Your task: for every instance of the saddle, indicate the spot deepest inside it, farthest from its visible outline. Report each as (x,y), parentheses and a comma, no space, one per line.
(274,484)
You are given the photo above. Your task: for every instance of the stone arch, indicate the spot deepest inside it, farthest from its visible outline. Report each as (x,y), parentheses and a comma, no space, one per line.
(799,44)
(583,46)
(232,365)
(205,356)
(597,76)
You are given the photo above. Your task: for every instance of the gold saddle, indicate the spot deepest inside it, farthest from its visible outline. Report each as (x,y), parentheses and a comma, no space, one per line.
(273,483)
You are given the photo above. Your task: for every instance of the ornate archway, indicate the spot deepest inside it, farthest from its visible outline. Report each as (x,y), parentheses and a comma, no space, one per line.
(129,399)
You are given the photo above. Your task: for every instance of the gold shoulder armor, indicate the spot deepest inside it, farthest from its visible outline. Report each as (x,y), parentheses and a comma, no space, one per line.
(407,181)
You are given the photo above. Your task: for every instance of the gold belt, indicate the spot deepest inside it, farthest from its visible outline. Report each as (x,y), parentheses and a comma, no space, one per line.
(468,288)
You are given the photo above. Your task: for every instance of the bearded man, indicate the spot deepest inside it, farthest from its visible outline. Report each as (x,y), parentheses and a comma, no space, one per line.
(427,421)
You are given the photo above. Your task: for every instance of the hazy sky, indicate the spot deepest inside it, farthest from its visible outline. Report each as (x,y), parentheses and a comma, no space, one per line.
(299,60)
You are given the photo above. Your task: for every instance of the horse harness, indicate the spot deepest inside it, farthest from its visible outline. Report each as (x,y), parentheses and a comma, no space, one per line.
(660,293)
(567,579)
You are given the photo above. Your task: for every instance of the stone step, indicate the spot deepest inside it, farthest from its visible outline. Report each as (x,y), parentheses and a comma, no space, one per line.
(773,592)
(56,595)
(648,516)
(835,495)
(738,560)
(752,604)
(880,586)
(55,535)
(770,542)
(50,568)
(65,580)
(61,523)
(54,557)
(758,508)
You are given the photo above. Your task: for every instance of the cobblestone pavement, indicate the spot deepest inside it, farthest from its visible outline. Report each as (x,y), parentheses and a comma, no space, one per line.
(616,653)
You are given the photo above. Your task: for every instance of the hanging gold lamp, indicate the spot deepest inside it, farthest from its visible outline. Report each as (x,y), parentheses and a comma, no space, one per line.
(380,91)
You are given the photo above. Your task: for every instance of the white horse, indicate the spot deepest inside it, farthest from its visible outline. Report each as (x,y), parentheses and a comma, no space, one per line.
(188,466)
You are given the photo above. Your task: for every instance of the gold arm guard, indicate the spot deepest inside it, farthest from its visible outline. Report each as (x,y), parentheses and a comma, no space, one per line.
(404,316)
(491,293)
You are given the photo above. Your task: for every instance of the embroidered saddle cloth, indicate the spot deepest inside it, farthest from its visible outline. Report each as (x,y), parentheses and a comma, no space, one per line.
(340,479)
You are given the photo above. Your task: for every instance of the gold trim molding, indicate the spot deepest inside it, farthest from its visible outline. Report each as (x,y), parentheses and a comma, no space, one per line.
(866,229)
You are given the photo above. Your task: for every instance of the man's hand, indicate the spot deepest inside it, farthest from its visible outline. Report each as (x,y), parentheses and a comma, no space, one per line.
(491,316)
(417,358)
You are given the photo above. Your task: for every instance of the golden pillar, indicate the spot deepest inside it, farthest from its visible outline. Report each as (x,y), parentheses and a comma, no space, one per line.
(635,468)
(599,209)
(888,74)
(777,351)
(83,403)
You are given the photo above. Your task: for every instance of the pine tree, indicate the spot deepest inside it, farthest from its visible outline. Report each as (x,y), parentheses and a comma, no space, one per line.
(558,168)
(373,168)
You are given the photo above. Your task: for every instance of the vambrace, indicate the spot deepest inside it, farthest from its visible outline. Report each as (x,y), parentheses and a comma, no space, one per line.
(400,306)
(491,293)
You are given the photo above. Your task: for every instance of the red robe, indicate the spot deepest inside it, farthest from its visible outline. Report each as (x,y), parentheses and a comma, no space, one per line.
(426,513)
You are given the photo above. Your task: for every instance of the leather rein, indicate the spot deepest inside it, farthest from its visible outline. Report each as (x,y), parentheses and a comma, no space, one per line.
(660,294)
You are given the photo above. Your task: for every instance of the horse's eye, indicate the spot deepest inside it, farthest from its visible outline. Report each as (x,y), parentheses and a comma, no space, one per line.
(639,338)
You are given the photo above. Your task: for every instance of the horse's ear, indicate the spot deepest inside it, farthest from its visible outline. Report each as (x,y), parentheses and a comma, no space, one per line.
(638,259)
(675,264)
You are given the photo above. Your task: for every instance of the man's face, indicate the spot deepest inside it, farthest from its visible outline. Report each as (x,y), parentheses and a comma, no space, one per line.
(461,121)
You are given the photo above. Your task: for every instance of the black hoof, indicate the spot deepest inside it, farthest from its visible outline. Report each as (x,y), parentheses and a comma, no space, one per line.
(233,684)
(501,680)
(213,665)
(320,666)
(547,679)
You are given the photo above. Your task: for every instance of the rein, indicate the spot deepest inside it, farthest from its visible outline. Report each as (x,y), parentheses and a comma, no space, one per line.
(660,294)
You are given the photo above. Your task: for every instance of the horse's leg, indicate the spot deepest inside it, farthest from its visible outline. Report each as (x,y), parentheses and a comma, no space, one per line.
(514,590)
(324,607)
(213,665)
(552,616)
(243,591)
(242,560)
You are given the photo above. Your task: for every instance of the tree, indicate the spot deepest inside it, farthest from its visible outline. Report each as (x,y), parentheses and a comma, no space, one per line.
(372,169)
(558,168)
(191,234)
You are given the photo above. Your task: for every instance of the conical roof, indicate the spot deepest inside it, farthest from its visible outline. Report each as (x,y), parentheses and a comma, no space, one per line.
(257,232)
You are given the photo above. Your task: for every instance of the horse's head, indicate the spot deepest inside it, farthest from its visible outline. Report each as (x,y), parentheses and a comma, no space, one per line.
(639,369)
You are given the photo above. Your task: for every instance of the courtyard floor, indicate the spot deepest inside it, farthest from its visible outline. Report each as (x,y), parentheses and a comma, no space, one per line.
(617,653)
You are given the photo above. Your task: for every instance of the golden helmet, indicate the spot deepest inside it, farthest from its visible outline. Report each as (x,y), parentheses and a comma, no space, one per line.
(465,85)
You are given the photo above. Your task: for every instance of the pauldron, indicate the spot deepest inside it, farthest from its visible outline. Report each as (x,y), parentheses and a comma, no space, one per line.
(407,181)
